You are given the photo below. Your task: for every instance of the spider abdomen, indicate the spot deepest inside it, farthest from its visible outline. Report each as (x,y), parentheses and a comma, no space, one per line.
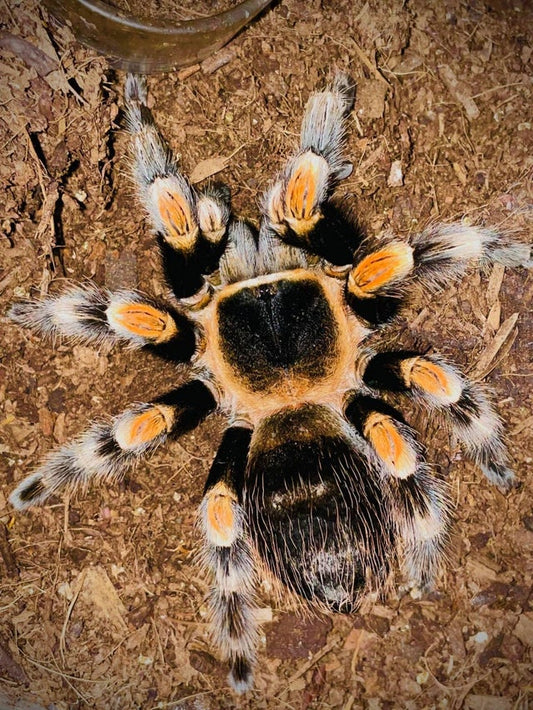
(323,525)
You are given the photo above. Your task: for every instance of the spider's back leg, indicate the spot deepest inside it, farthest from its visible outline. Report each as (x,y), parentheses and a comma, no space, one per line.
(190,225)
(227,554)
(107,450)
(439,386)
(420,501)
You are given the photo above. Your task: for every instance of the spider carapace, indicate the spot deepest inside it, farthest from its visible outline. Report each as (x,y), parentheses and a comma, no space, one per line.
(319,480)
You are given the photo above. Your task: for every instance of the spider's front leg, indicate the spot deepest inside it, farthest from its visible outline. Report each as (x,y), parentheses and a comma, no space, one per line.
(439,386)
(95,315)
(298,208)
(386,269)
(190,225)
(227,555)
(107,450)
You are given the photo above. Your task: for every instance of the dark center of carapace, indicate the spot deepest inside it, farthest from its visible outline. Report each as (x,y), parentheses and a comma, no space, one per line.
(275,331)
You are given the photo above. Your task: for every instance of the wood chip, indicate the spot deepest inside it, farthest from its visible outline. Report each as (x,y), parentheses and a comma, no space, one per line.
(487,360)
(487,702)
(395,178)
(31,56)
(11,668)
(7,553)
(187,72)
(493,319)
(218,60)
(495,283)
(524,629)
(459,170)
(460,91)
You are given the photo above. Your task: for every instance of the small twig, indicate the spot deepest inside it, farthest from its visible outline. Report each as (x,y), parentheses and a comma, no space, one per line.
(370,65)
(310,663)
(62,647)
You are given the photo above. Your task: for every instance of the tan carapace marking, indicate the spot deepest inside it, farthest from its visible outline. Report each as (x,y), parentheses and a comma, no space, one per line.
(177,217)
(143,428)
(329,389)
(220,515)
(381,268)
(432,378)
(143,320)
(304,192)
(392,448)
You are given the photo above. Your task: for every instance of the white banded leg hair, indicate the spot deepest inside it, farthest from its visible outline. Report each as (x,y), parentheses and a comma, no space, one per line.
(107,450)
(227,554)
(94,315)
(420,501)
(190,225)
(439,386)
(298,207)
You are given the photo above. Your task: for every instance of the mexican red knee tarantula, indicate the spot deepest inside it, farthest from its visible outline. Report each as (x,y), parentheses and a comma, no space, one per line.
(317,478)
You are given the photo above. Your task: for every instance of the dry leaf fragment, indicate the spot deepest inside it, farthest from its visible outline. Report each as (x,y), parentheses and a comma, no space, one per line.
(31,56)
(486,362)
(479,571)
(98,593)
(206,168)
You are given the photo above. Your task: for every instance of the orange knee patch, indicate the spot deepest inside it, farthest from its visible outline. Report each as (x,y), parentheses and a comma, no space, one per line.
(376,271)
(138,431)
(142,320)
(393,449)
(177,215)
(439,382)
(304,192)
(220,515)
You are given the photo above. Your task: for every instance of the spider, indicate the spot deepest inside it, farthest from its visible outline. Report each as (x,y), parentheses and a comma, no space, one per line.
(319,480)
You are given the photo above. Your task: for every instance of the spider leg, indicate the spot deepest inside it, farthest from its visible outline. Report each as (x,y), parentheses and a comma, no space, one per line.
(190,224)
(97,316)
(108,449)
(386,269)
(439,386)
(228,556)
(298,207)
(420,501)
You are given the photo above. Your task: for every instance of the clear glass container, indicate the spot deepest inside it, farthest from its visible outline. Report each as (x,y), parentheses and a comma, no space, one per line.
(138,45)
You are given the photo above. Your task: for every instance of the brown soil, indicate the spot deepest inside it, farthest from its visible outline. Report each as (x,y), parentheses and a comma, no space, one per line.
(102,604)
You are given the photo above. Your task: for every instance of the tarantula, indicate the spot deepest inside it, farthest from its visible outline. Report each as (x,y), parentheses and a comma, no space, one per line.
(317,480)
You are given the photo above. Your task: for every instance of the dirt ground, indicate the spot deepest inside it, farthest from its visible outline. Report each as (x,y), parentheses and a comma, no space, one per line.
(101,603)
